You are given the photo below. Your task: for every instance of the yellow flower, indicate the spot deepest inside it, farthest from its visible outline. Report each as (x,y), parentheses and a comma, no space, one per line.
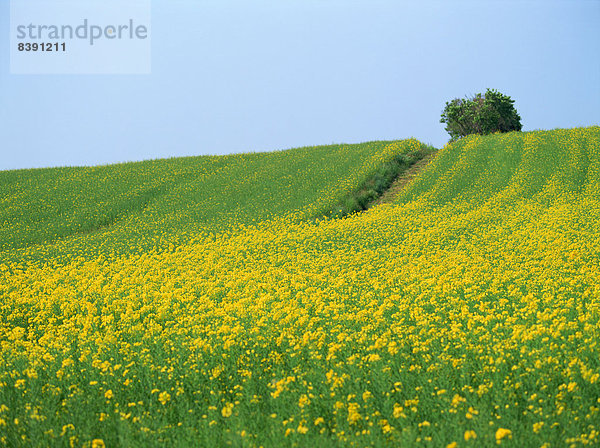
(471,411)
(164,397)
(98,443)
(452,445)
(501,433)
(227,410)
(303,401)
(470,435)
(302,429)
(386,427)
(66,428)
(318,421)
(373,357)
(398,411)
(456,400)
(353,414)
(67,362)
(108,394)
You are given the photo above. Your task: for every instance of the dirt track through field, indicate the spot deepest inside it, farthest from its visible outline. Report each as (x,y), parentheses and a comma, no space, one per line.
(401,181)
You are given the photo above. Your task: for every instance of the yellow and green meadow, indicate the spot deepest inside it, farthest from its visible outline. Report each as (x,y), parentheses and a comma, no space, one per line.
(195,302)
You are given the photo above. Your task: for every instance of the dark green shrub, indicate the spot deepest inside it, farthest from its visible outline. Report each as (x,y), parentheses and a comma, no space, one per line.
(481,114)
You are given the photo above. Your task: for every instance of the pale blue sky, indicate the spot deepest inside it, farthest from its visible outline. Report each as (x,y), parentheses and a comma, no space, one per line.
(264,75)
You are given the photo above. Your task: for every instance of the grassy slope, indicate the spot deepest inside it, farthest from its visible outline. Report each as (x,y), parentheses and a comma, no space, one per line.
(472,304)
(118,204)
(510,167)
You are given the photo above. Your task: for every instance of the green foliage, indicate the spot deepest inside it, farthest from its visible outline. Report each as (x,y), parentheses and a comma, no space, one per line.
(482,114)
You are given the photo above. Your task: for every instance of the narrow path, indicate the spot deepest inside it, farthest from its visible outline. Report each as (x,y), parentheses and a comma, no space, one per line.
(401,181)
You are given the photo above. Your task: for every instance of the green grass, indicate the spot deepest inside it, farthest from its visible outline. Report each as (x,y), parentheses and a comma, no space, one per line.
(474,170)
(148,202)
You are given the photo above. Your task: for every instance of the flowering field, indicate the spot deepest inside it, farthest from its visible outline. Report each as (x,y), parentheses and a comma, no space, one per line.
(140,205)
(465,314)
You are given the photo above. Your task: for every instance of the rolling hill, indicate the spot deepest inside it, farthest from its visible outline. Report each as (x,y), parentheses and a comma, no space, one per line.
(145,202)
(464,313)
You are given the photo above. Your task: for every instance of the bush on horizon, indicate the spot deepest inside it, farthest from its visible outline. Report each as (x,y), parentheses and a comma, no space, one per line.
(482,114)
